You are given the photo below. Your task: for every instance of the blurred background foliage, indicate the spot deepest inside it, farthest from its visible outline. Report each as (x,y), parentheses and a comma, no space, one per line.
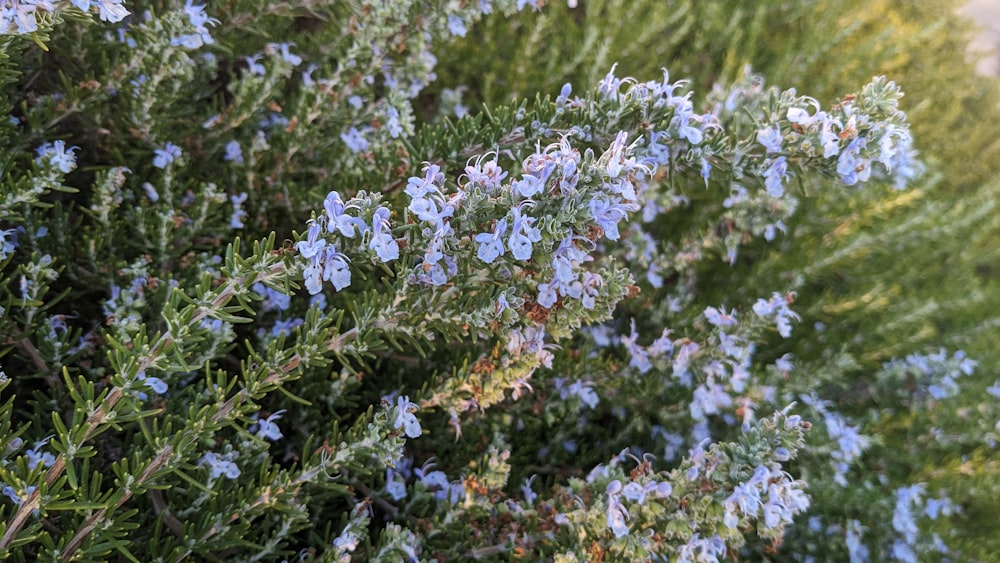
(879,273)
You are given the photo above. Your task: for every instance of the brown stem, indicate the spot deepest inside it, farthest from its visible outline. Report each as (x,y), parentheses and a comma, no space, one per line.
(100,416)
(90,523)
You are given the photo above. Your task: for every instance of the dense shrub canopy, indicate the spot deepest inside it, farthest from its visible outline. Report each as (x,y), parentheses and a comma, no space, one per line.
(439,280)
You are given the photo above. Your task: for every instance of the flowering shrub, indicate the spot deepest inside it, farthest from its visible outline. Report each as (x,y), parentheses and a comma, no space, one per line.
(478,337)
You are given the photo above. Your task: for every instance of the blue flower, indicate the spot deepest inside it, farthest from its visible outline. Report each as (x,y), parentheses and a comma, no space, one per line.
(529,495)
(155,383)
(616,513)
(336,269)
(608,213)
(236,219)
(313,245)
(337,218)
(267,429)
(199,20)
(234,153)
(11,493)
(547,295)
(456,26)
(8,242)
(382,241)
(491,244)
(417,187)
(286,54)
(405,418)
(37,457)
(522,234)
(485,173)
(777,308)
(851,166)
(564,93)
(527,186)
(220,465)
(166,155)
(395,486)
(355,141)
(720,318)
(58,156)
(771,139)
(775,175)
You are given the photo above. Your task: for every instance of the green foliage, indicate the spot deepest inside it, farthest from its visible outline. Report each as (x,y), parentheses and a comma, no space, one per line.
(885,273)
(179,380)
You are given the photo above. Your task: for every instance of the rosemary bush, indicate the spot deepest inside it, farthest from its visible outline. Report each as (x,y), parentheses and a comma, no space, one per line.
(266,296)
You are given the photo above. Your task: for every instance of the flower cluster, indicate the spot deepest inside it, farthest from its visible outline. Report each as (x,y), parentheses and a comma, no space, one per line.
(22,16)
(527,341)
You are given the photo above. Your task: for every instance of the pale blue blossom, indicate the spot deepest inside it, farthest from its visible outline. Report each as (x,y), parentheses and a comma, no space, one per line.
(234,153)
(485,172)
(268,428)
(336,268)
(382,242)
(456,26)
(608,213)
(405,418)
(284,49)
(771,138)
(167,155)
(354,140)
(775,176)
(199,21)
(8,242)
(220,466)
(851,165)
(37,457)
(238,214)
(337,218)
(523,234)
(491,244)
(57,155)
